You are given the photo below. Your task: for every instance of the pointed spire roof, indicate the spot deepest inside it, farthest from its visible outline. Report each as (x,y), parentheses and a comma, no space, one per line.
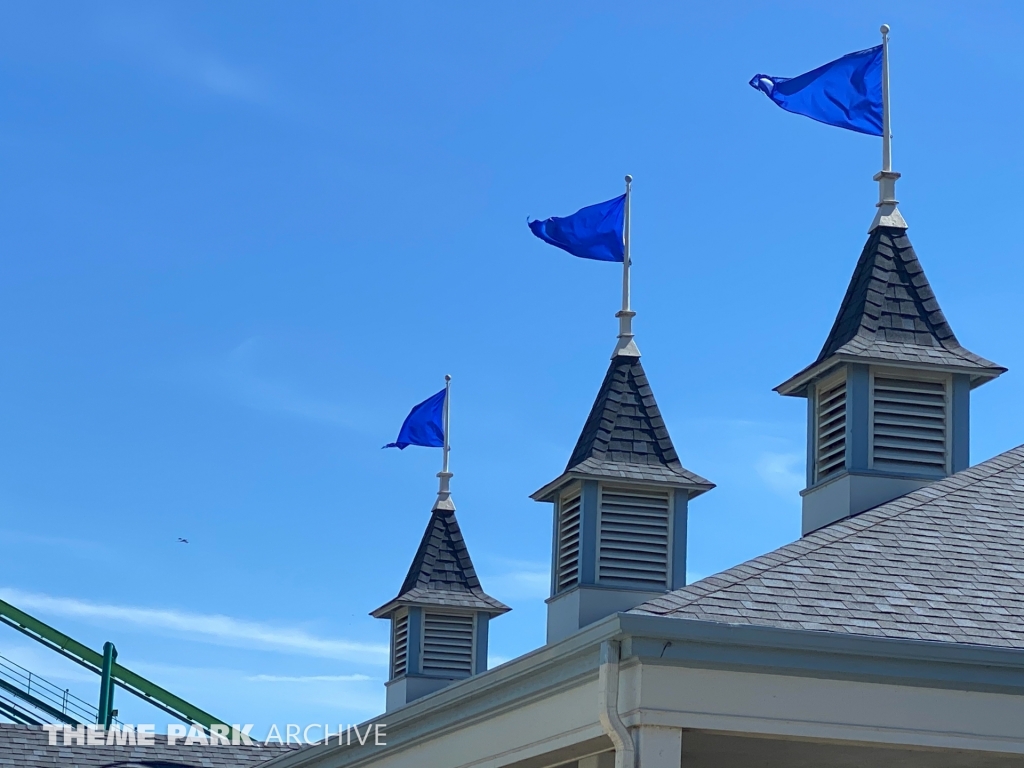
(442,572)
(890,314)
(625,437)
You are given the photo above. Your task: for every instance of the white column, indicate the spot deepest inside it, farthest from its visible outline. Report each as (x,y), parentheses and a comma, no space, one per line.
(658,747)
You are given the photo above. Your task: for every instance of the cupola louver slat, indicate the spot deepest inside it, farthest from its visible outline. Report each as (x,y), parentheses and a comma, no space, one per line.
(400,645)
(447,645)
(568,541)
(910,426)
(831,432)
(634,539)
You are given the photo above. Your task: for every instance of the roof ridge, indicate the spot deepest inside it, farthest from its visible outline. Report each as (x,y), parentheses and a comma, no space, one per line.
(881,514)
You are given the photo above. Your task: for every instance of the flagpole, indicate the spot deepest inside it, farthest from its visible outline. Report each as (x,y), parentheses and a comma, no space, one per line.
(447,400)
(888,215)
(625,248)
(444,495)
(625,345)
(886,132)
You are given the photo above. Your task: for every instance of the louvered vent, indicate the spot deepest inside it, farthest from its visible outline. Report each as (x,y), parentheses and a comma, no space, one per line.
(568,568)
(399,645)
(909,426)
(634,538)
(447,645)
(831,432)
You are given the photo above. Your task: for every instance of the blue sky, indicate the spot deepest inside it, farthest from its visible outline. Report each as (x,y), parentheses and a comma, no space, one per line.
(240,240)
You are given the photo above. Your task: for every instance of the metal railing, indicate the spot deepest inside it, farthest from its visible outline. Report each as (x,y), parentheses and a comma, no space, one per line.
(61,699)
(122,676)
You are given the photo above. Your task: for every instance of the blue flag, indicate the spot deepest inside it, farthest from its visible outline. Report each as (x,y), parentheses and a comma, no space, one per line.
(424,425)
(846,92)
(594,232)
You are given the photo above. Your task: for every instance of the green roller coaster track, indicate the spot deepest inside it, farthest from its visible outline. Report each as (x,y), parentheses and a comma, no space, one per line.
(118,674)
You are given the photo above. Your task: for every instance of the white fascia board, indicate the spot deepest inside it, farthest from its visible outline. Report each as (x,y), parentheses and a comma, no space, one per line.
(797,384)
(655,641)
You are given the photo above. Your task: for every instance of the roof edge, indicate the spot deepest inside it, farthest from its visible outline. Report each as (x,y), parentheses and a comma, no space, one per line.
(796,385)
(487,695)
(550,491)
(486,604)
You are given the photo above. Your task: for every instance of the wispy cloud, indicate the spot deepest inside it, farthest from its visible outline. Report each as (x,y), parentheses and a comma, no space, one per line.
(154,43)
(82,547)
(238,373)
(308,678)
(212,628)
(44,663)
(783,472)
(339,695)
(519,580)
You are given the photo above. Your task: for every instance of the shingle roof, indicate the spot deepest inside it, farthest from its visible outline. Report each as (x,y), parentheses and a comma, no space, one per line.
(944,563)
(26,746)
(625,436)
(890,313)
(442,572)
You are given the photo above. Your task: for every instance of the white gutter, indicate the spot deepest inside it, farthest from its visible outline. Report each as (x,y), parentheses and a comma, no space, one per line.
(608,705)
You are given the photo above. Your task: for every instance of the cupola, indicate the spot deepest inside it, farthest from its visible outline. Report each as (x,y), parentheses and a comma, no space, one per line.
(439,618)
(620,507)
(889,395)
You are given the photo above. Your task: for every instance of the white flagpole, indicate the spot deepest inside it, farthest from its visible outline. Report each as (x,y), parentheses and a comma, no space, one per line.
(625,247)
(625,345)
(446,418)
(444,494)
(888,215)
(886,128)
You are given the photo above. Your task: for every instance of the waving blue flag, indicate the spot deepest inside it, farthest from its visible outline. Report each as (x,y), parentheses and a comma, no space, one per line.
(846,92)
(424,425)
(594,232)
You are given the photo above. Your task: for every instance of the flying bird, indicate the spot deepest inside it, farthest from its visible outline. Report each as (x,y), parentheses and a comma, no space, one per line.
(183,541)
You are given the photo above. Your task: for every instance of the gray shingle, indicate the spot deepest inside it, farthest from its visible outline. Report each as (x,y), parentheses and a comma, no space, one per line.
(625,436)
(26,746)
(442,572)
(936,564)
(890,313)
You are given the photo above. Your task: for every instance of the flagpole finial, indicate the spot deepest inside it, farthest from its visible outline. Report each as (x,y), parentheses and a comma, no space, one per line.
(629,179)
(884,29)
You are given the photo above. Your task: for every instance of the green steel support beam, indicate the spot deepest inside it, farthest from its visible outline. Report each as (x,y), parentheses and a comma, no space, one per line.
(104,714)
(88,658)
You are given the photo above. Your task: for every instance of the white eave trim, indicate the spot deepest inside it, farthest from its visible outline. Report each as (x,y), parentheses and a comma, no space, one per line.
(550,491)
(797,385)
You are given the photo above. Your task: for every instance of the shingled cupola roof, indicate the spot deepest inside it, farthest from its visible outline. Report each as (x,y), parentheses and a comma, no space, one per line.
(625,437)
(439,619)
(442,572)
(891,316)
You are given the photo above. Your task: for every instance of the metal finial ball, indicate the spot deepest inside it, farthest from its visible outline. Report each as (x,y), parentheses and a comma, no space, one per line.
(447,377)
(629,179)
(884,29)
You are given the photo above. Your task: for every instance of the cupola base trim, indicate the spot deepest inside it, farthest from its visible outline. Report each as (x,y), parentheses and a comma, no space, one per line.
(849,494)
